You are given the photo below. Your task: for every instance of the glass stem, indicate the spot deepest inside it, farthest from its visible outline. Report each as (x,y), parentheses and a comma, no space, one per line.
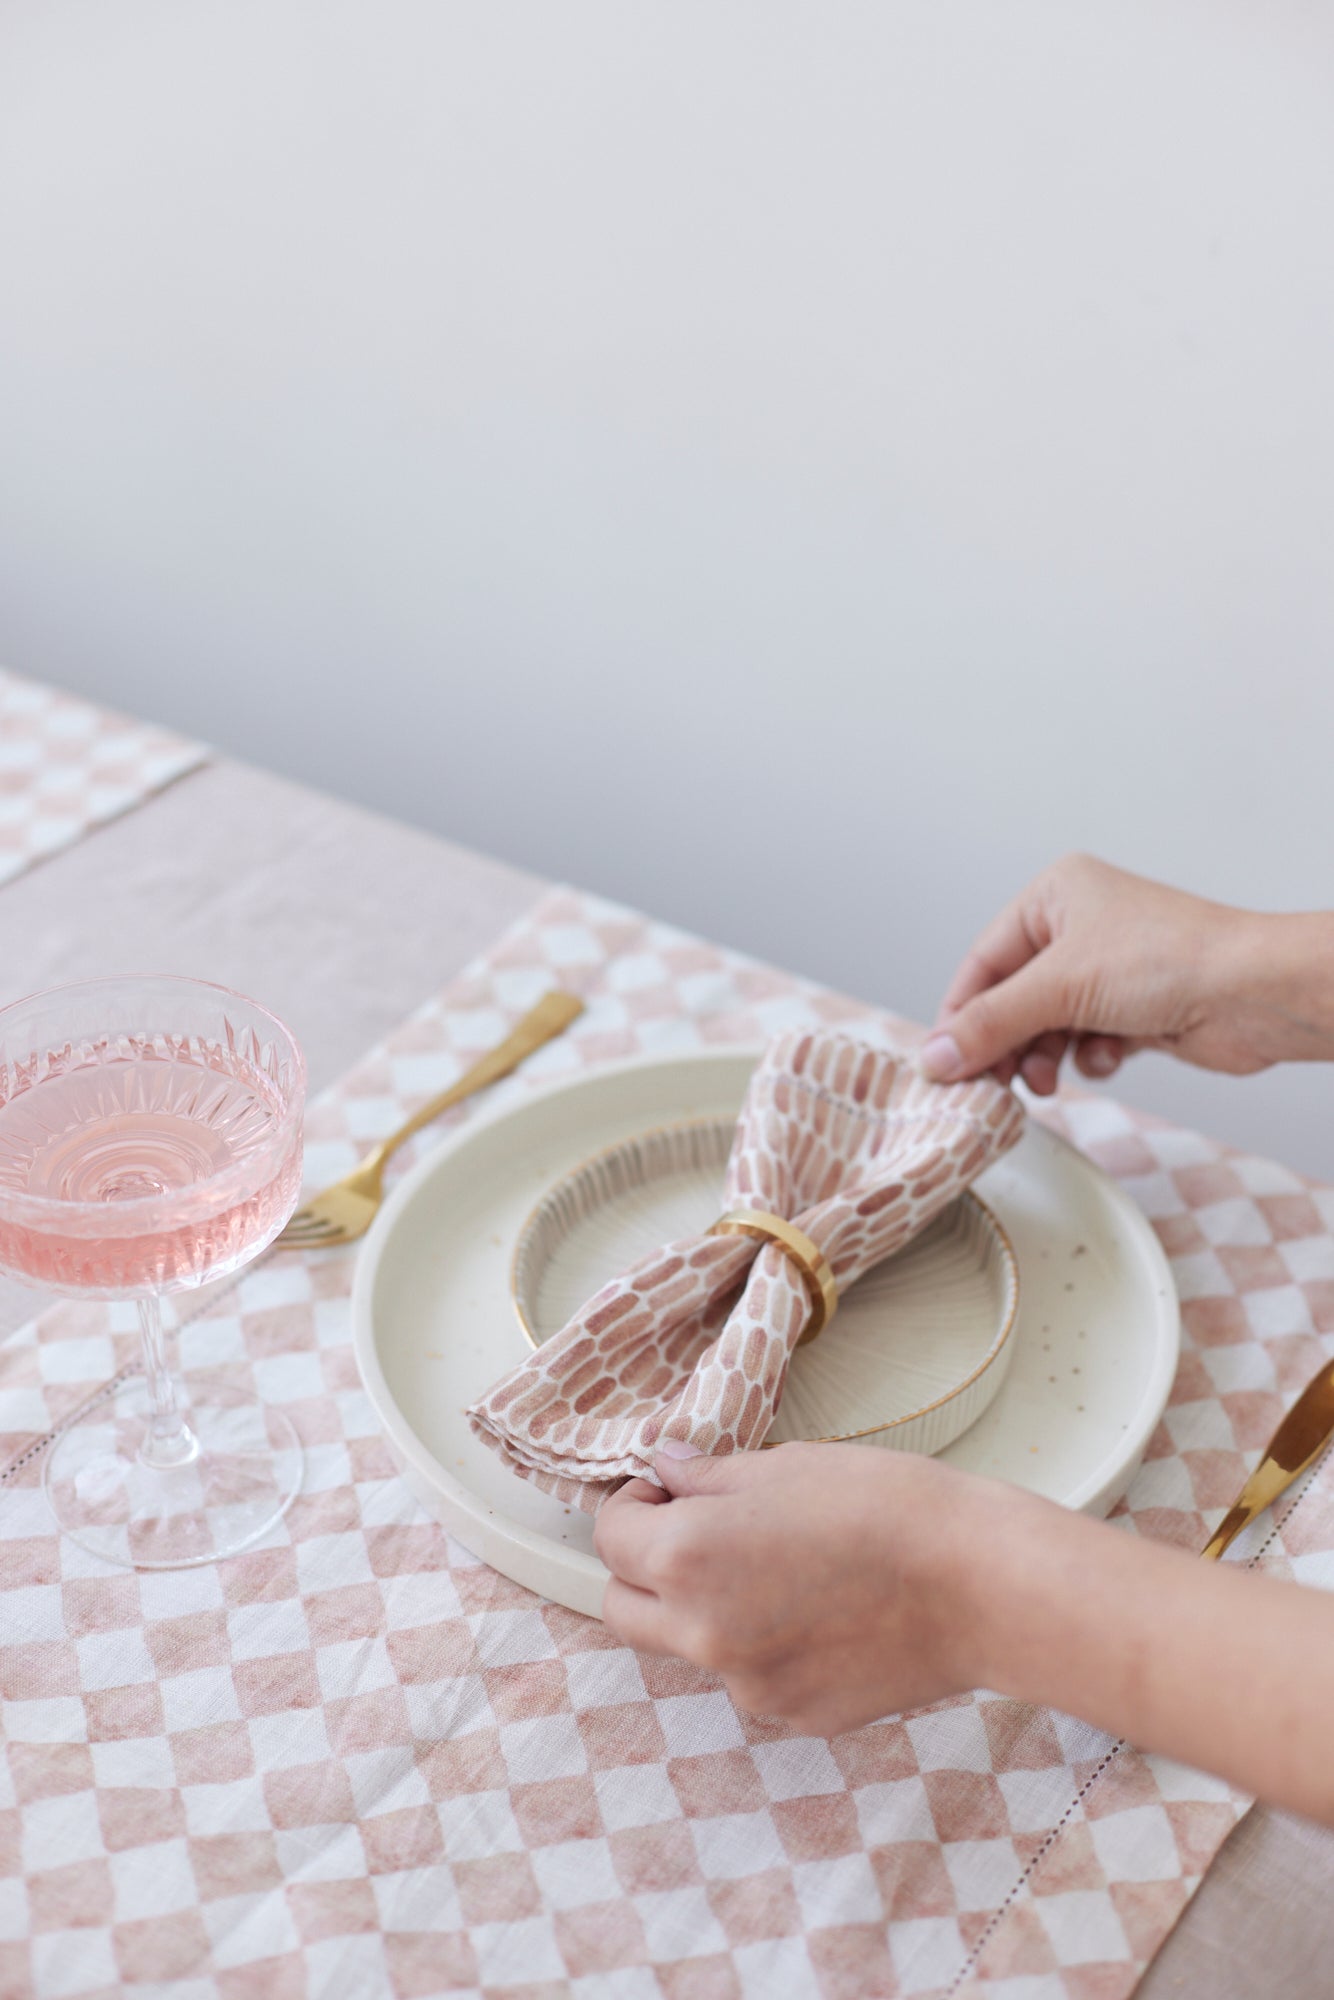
(169,1440)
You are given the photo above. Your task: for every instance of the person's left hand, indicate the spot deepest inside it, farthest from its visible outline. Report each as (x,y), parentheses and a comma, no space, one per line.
(824,1583)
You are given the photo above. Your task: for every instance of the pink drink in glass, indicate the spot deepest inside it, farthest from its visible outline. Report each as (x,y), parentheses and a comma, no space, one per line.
(150,1141)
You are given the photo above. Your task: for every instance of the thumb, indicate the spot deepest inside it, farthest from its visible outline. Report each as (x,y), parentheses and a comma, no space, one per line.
(999,1021)
(684,1469)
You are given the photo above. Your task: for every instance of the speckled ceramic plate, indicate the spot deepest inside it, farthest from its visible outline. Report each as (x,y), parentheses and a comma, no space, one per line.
(1094,1347)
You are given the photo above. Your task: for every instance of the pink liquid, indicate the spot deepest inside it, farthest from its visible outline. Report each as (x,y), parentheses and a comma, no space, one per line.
(108,1136)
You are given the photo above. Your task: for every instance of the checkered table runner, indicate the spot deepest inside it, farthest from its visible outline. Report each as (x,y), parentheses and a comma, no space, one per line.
(66,766)
(357,1761)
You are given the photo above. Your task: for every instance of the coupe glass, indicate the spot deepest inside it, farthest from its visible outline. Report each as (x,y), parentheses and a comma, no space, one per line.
(150,1140)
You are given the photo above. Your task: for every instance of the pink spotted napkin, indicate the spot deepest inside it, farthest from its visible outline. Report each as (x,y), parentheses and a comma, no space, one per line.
(851,1144)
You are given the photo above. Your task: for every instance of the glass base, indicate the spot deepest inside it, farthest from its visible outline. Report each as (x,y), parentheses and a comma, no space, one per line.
(233,1489)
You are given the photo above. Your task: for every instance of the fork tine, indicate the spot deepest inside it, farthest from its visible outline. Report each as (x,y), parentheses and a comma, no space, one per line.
(310,1232)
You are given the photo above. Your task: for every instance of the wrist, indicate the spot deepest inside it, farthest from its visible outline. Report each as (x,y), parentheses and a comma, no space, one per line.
(1279,971)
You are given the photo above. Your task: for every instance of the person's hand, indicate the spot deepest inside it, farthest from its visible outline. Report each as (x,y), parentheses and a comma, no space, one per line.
(1094,959)
(814,1578)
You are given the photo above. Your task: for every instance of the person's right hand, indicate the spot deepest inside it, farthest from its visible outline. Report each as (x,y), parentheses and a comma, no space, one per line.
(1097,960)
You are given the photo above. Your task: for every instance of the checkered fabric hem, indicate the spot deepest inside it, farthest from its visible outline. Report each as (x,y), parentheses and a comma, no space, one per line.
(66,766)
(355,1760)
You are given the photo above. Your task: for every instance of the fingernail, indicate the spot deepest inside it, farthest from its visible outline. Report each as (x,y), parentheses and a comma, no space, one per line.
(678,1448)
(941,1058)
(1100,1062)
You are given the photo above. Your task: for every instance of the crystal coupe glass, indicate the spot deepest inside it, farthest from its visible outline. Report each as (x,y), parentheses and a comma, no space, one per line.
(150,1141)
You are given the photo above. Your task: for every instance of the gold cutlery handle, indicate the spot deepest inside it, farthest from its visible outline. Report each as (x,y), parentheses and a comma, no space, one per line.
(1295,1445)
(550,1017)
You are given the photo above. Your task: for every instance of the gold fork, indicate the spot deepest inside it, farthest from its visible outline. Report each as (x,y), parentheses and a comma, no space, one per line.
(1297,1443)
(347,1209)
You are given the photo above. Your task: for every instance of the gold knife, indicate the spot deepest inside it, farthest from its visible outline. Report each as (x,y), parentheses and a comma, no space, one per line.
(1297,1443)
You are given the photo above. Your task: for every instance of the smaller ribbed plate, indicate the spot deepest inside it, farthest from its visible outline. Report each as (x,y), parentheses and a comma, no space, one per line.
(914,1354)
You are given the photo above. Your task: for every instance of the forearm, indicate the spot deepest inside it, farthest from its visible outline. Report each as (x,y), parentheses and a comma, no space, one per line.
(1278,971)
(1217,1667)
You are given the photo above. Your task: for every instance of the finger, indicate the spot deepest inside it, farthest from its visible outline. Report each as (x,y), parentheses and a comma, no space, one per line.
(1002,949)
(1040,1065)
(999,1022)
(1099,1056)
(626,1527)
(685,1470)
(636,1616)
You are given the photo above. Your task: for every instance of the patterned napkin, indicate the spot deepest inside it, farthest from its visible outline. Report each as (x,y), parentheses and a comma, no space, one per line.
(849,1143)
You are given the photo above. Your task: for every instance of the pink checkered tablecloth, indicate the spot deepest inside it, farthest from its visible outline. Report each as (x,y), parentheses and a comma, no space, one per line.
(66,766)
(357,1761)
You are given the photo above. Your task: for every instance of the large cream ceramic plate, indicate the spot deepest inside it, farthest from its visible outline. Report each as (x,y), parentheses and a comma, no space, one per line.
(1094,1348)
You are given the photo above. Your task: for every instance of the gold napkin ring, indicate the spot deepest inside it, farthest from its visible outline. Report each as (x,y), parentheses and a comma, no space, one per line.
(808,1257)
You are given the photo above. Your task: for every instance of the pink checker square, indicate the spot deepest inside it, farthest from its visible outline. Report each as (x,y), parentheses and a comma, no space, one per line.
(599,1937)
(497,1888)
(139,1815)
(152,1950)
(50,1770)
(713,1978)
(11,1841)
(557,1809)
(722,1781)
(116,1714)
(408,1838)
(406,1549)
(259,1576)
(654,1857)
(1148,1911)
(878,1755)
(332,1909)
(912,1879)
(424,1963)
(814,1828)
(354,1611)
(185,1645)
(373,1721)
(276,1683)
(753,1907)
(100,1603)
(620,1733)
(1019,1737)
(966,1805)
(527,1688)
(310,1795)
(77,1895)
(234,1864)
(217,1753)
(29,1560)
(427,1653)
(282,1978)
(1017,1949)
(471,1763)
(37,1670)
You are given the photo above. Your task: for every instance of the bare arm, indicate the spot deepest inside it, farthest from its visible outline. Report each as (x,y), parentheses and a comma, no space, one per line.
(835,1584)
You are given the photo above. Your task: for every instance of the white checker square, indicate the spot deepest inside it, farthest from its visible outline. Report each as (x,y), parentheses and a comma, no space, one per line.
(259,1631)
(1235,1222)
(1309,1258)
(385,1781)
(1162,1482)
(294,1377)
(354,1666)
(627,1982)
(597,1679)
(60,1718)
(335,1854)
(15,1917)
(1266,1176)
(478,1824)
(543,1746)
(192,1701)
(1156,1194)
(1277,1309)
(1315,1570)
(927,1952)
(323,1562)
(1200,1276)
(134,1762)
(327,1467)
(517,1953)
(1242,1365)
(245,1928)
(239,1806)
(1197,1426)
(1036,1800)
(636,1795)
(1080,1742)
(348,1967)
(298,1736)
(61,1829)
(508,1638)
(1178,1782)
(91,1360)
(679,1923)
(1137,1845)
(731,1845)
(774,1967)
(1083,1927)
(797,1767)
(455,1707)
(571,1873)
(895,1810)
(418,1899)
(153,1881)
(951,1739)
(68,1962)
(171,1593)
(841,1890)
(984,1872)
(695,1723)
(211,1343)
(284,1282)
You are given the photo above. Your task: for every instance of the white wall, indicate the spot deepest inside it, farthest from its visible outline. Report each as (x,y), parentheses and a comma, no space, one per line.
(795,467)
